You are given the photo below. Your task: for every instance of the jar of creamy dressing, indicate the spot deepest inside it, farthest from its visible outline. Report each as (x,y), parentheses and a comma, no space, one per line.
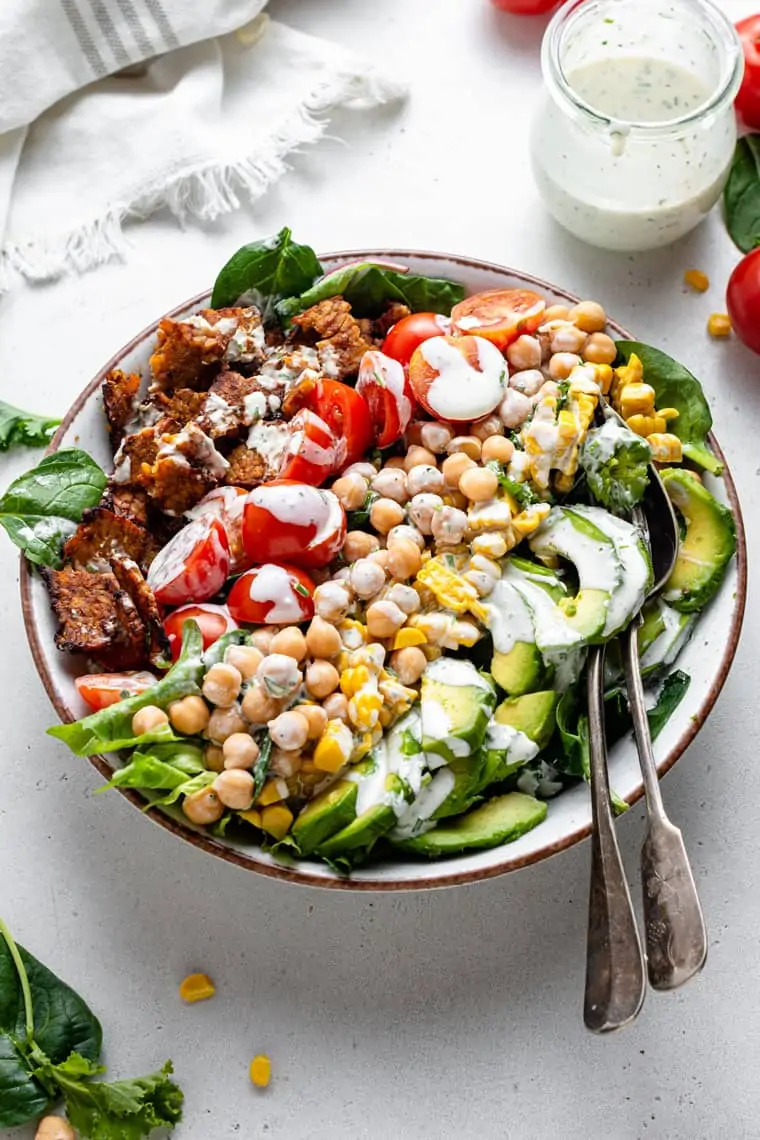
(633,140)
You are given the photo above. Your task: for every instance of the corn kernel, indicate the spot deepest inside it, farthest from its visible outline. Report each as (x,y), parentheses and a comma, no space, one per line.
(260,1071)
(696,280)
(196,987)
(668,413)
(604,377)
(353,679)
(666,447)
(251,816)
(646,425)
(272,792)
(334,747)
(719,325)
(276,820)
(636,399)
(406,637)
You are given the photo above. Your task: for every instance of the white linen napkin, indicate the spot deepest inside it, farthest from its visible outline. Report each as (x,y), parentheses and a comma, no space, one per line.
(110,109)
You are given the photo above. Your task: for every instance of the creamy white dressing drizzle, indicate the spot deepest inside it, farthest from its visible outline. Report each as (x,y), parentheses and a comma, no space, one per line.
(509,618)
(595,559)
(667,645)
(272,584)
(505,738)
(221,415)
(254,407)
(270,441)
(417,817)
(635,579)
(459,391)
(450,671)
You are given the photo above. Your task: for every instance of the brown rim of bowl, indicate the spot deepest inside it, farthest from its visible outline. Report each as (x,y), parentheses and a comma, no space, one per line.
(292,874)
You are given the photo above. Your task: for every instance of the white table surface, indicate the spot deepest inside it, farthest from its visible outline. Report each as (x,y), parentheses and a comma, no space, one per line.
(442,1016)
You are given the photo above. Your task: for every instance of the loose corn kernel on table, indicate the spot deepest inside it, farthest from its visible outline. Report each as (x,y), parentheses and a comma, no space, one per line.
(451,1015)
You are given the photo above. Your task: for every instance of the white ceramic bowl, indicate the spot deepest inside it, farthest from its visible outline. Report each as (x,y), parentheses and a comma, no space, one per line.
(707,658)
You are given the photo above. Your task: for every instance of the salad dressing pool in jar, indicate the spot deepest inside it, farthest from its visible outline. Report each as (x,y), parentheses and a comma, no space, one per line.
(633,141)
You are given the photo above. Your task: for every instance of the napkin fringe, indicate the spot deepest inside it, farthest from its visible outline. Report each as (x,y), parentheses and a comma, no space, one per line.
(204,193)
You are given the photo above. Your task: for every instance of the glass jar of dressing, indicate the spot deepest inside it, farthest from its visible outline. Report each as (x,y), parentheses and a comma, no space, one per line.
(634,138)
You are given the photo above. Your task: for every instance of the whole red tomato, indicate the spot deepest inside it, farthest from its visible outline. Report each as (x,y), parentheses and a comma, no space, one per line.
(743,300)
(748,99)
(526,7)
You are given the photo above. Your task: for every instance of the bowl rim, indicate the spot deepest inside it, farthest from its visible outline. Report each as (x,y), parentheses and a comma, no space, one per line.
(292,874)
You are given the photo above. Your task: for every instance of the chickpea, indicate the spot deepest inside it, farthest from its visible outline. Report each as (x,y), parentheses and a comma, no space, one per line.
(323,639)
(405,597)
(600,349)
(213,758)
(561,364)
(449,526)
(367,578)
(279,674)
(497,448)
(384,514)
(234,788)
(436,436)
(285,763)
(224,722)
(258,706)
(525,352)
(366,470)
(410,532)
(479,484)
(245,658)
(404,558)
(332,601)
(384,619)
(567,338)
(490,425)
(289,642)
(413,433)
(240,751)
(322,678)
(409,664)
(261,639)
(453,467)
(514,408)
(424,478)
(589,316)
(417,455)
(351,491)
(203,807)
(548,390)
(189,716)
(54,1128)
(380,558)
(148,718)
(359,544)
(221,685)
(421,510)
(557,313)
(456,499)
(336,706)
(396,462)
(316,718)
(289,730)
(342,575)
(468,444)
(527,382)
(390,483)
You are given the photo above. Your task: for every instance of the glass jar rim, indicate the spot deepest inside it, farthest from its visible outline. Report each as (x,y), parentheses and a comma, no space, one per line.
(724,32)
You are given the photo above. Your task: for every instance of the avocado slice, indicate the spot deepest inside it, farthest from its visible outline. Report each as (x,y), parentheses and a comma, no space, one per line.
(501,820)
(519,671)
(652,625)
(570,535)
(330,811)
(635,562)
(521,668)
(708,547)
(506,750)
(355,841)
(674,631)
(533,713)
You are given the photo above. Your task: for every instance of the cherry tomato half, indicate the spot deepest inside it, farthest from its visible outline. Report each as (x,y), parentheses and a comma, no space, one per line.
(499,315)
(272,594)
(213,620)
(347,414)
(313,452)
(743,300)
(526,7)
(383,384)
(286,521)
(458,378)
(748,99)
(193,566)
(100,690)
(226,504)
(408,333)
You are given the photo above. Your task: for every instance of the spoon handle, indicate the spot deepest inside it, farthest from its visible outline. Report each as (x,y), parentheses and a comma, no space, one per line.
(674,925)
(615,979)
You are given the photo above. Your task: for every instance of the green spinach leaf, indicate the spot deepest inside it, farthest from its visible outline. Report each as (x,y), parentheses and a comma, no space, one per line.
(42,507)
(24,429)
(741,197)
(110,729)
(368,287)
(267,271)
(676,387)
(121,1110)
(671,694)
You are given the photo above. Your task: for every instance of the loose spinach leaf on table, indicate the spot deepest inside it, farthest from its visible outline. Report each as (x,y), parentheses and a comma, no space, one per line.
(741,198)
(266,271)
(50,1043)
(368,287)
(24,429)
(42,507)
(675,387)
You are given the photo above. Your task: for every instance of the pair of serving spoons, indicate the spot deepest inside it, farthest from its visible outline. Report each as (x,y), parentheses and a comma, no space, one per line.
(674,927)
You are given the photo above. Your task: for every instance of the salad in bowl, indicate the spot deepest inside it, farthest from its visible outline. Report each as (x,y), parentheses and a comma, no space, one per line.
(334,594)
